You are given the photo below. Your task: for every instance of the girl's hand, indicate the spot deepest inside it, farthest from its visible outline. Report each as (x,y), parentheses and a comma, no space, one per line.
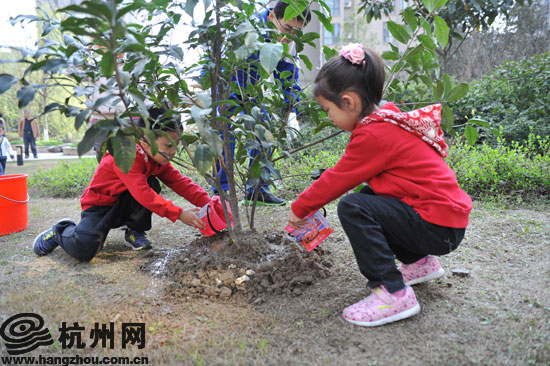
(295,221)
(190,217)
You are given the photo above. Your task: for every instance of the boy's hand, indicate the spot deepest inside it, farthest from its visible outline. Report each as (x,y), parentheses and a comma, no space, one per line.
(190,217)
(295,221)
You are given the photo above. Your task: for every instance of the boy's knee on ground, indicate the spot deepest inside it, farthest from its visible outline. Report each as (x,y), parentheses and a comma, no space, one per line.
(82,245)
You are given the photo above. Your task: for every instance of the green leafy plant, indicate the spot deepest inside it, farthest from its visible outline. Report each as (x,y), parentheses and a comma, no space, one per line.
(514,97)
(67,179)
(514,171)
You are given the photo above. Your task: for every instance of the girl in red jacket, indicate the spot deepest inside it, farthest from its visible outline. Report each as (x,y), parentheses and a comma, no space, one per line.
(412,208)
(114,198)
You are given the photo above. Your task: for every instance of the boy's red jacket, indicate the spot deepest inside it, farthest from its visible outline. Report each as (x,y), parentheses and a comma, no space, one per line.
(395,163)
(109,182)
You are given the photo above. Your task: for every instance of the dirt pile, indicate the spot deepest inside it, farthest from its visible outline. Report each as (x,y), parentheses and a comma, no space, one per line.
(259,265)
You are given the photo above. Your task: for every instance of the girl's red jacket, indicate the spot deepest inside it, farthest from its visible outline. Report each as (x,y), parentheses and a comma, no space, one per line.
(109,182)
(394,163)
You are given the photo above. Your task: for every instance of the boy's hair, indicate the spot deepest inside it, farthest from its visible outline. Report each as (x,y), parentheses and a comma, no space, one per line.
(159,122)
(279,11)
(339,75)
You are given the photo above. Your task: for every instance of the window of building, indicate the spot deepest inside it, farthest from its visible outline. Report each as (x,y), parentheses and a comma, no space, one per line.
(334,6)
(332,38)
(386,35)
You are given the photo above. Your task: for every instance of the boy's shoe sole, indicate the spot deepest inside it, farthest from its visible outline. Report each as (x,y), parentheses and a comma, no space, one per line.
(137,248)
(399,316)
(431,276)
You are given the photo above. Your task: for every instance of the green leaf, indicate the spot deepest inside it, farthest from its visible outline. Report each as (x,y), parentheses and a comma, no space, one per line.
(270,55)
(427,41)
(479,122)
(399,32)
(432,5)
(457,92)
(124,150)
(89,139)
(6,82)
(190,7)
(441,31)
(107,64)
(390,56)
(448,119)
(51,107)
(306,62)
(471,134)
(25,95)
(80,118)
(439,89)
(326,21)
(203,158)
(410,18)
(213,140)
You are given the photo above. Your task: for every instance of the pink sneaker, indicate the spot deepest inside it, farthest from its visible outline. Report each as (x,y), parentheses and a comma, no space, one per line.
(417,273)
(381,307)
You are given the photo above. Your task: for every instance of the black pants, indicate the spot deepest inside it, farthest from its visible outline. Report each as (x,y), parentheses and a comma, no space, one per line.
(381,229)
(85,240)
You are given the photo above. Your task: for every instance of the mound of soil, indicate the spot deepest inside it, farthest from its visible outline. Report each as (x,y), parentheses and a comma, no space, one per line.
(259,265)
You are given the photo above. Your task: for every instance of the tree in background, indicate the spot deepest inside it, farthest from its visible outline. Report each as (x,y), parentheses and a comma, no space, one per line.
(462,18)
(526,32)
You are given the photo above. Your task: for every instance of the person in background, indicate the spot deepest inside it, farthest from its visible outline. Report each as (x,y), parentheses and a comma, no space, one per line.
(29,132)
(275,17)
(5,151)
(3,123)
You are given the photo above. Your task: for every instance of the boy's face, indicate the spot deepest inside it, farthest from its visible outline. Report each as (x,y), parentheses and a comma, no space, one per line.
(286,27)
(165,145)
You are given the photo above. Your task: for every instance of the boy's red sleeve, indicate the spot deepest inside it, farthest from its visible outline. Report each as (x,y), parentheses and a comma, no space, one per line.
(361,161)
(136,182)
(183,186)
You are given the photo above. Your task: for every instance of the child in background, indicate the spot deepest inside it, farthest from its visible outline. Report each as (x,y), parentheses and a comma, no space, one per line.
(114,199)
(412,208)
(5,151)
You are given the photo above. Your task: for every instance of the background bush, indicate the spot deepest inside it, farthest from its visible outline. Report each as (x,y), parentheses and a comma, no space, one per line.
(512,171)
(68,179)
(515,97)
(506,171)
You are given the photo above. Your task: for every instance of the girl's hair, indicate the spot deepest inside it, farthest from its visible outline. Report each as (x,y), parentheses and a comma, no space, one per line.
(339,75)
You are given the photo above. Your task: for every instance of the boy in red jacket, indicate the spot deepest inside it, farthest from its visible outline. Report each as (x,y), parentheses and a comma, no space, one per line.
(412,208)
(114,199)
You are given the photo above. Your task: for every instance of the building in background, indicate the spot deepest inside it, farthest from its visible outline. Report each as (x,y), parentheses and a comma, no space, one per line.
(349,25)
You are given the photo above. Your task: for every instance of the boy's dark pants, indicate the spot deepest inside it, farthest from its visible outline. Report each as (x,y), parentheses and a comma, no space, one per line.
(381,229)
(84,240)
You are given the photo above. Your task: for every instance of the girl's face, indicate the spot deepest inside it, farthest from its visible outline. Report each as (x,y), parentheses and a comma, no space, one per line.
(346,116)
(164,145)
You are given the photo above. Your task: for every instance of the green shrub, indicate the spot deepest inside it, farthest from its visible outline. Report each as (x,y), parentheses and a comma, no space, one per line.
(514,97)
(68,179)
(513,171)
(507,171)
(48,143)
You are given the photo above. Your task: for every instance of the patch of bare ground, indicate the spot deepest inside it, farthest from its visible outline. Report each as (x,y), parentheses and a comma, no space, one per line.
(498,315)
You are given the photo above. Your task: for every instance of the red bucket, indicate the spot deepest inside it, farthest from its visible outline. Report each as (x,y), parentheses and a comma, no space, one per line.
(13,203)
(213,217)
